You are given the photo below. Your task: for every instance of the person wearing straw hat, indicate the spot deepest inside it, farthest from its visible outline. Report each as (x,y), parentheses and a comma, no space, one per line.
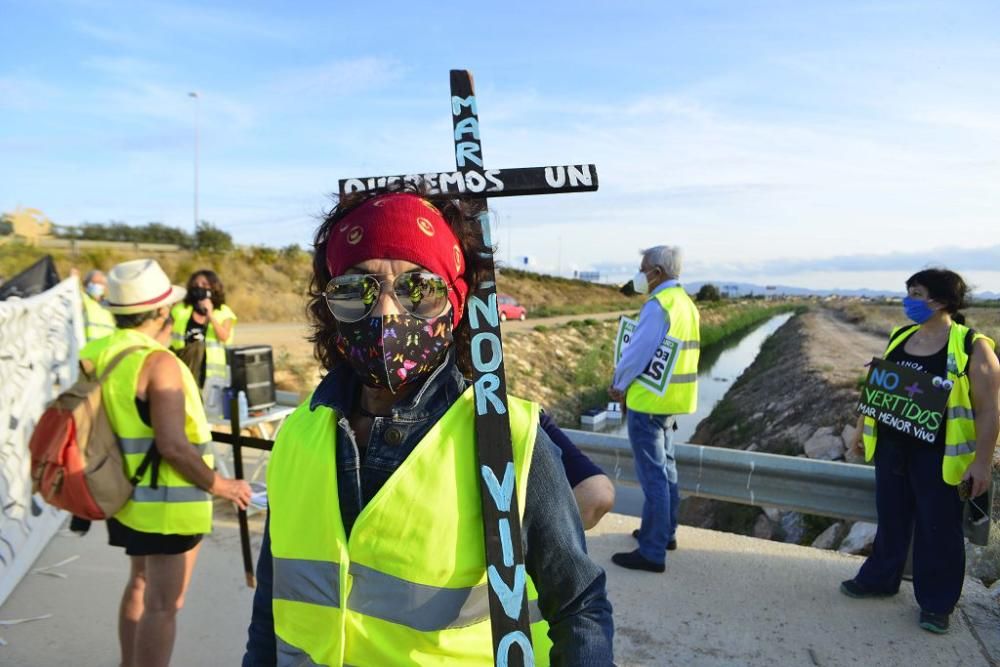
(154,406)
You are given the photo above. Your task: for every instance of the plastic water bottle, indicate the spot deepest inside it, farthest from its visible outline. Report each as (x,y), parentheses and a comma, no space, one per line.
(241,400)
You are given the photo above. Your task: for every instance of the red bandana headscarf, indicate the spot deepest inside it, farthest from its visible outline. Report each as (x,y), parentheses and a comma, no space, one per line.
(400,226)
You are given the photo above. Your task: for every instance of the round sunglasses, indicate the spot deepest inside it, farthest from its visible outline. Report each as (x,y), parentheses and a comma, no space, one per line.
(352,297)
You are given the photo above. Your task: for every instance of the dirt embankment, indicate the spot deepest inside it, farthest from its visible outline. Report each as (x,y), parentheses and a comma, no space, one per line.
(796,399)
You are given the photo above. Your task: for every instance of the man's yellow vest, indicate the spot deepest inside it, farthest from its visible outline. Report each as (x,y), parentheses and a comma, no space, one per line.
(175,506)
(98,321)
(681,396)
(409,587)
(215,350)
(960,420)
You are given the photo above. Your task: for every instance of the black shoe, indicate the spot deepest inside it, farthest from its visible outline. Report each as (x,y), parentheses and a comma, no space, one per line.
(671,545)
(852,589)
(936,623)
(633,560)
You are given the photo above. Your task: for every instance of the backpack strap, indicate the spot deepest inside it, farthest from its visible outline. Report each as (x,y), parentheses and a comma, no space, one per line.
(152,454)
(114,362)
(152,458)
(970,336)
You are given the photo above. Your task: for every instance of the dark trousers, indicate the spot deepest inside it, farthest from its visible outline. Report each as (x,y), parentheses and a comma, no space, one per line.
(913,501)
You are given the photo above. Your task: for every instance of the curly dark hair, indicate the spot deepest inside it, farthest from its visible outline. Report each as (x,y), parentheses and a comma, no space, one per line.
(214,283)
(944,286)
(460,216)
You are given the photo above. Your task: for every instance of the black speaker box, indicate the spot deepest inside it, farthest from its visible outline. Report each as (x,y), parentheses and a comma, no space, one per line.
(251,370)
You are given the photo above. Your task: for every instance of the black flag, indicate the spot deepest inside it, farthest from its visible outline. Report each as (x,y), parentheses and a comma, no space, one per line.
(35,279)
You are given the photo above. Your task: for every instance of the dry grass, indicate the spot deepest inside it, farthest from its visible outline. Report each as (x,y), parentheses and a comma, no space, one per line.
(261,284)
(545,296)
(568,368)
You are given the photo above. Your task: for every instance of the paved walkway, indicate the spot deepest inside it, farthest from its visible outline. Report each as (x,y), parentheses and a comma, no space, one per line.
(725,600)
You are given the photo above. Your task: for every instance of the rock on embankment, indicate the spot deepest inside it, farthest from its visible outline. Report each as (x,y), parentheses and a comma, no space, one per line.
(796,399)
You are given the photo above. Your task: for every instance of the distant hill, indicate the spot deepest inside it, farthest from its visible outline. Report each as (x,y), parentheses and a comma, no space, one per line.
(746,289)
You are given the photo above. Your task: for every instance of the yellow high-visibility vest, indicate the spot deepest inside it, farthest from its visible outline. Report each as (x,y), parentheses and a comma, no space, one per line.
(960,420)
(175,506)
(215,350)
(681,395)
(409,587)
(98,321)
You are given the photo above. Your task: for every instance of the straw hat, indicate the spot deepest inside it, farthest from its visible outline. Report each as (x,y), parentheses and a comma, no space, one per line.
(140,285)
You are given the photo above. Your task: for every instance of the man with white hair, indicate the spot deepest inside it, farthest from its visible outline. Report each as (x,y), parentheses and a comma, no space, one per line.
(664,344)
(98,321)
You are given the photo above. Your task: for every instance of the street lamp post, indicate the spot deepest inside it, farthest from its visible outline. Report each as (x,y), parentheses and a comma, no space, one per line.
(196,99)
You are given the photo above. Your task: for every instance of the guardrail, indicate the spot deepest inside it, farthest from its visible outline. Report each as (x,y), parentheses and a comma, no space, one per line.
(76,245)
(789,483)
(826,488)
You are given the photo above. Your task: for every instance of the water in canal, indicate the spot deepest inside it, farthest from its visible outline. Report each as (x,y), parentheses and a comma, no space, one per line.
(719,366)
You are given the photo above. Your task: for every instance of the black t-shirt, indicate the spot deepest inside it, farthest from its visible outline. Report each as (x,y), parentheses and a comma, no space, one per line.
(195,332)
(933,364)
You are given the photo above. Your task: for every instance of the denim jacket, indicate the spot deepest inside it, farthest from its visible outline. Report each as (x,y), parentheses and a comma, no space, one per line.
(571,587)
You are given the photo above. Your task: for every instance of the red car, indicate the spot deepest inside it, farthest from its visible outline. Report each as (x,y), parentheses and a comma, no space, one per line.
(510,309)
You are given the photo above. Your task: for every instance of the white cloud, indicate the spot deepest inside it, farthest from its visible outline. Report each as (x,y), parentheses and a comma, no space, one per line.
(20,93)
(340,79)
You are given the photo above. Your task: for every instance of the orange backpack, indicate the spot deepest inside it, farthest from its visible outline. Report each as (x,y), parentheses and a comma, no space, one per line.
(76,459)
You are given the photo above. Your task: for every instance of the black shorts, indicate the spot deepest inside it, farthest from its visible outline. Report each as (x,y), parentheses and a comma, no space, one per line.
(138,543)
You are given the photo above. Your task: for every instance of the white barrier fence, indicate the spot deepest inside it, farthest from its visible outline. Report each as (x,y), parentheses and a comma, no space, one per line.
(40,338)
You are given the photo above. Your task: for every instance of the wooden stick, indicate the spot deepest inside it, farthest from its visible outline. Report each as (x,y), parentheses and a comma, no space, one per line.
(241,514)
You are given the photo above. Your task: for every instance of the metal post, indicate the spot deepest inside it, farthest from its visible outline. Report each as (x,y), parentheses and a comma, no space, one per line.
(196,109)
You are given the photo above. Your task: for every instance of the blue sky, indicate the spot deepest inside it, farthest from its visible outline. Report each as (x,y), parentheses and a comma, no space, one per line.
(823,144)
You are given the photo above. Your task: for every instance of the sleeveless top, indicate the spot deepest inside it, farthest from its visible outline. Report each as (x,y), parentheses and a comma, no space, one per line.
(934,364)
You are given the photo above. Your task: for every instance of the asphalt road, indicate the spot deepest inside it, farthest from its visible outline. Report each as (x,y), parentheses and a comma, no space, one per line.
(724,600)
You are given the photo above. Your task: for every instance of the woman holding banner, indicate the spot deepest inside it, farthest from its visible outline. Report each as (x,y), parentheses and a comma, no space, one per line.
(374,551)
(920,487)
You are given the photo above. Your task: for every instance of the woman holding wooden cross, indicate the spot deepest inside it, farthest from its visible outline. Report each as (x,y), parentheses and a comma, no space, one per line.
(920,486)
(374,551)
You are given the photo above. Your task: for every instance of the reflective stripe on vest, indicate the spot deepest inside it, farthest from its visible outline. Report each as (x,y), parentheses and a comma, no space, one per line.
(174,506)
(379,595)
(960,422)
(215,350)
(169,494)
(292,656)
(142,445)
(681,394)
(410,585)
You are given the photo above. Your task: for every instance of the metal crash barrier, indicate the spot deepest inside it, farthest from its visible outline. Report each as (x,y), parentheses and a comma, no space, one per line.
(790,483)
(826,488)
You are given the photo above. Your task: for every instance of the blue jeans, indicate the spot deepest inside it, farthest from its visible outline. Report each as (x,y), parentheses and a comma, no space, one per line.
(652,439)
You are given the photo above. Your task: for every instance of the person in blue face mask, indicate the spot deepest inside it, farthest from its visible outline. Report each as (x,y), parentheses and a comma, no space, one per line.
(920,487)
(98,321)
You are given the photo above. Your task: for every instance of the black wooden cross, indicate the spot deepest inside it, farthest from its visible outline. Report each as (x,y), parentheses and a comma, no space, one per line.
(501,518)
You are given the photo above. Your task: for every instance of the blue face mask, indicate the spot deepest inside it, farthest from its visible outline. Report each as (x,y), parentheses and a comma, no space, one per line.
(95,290)
(917,309)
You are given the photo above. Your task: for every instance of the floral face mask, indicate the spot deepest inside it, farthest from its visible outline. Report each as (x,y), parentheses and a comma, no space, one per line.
(391,351)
